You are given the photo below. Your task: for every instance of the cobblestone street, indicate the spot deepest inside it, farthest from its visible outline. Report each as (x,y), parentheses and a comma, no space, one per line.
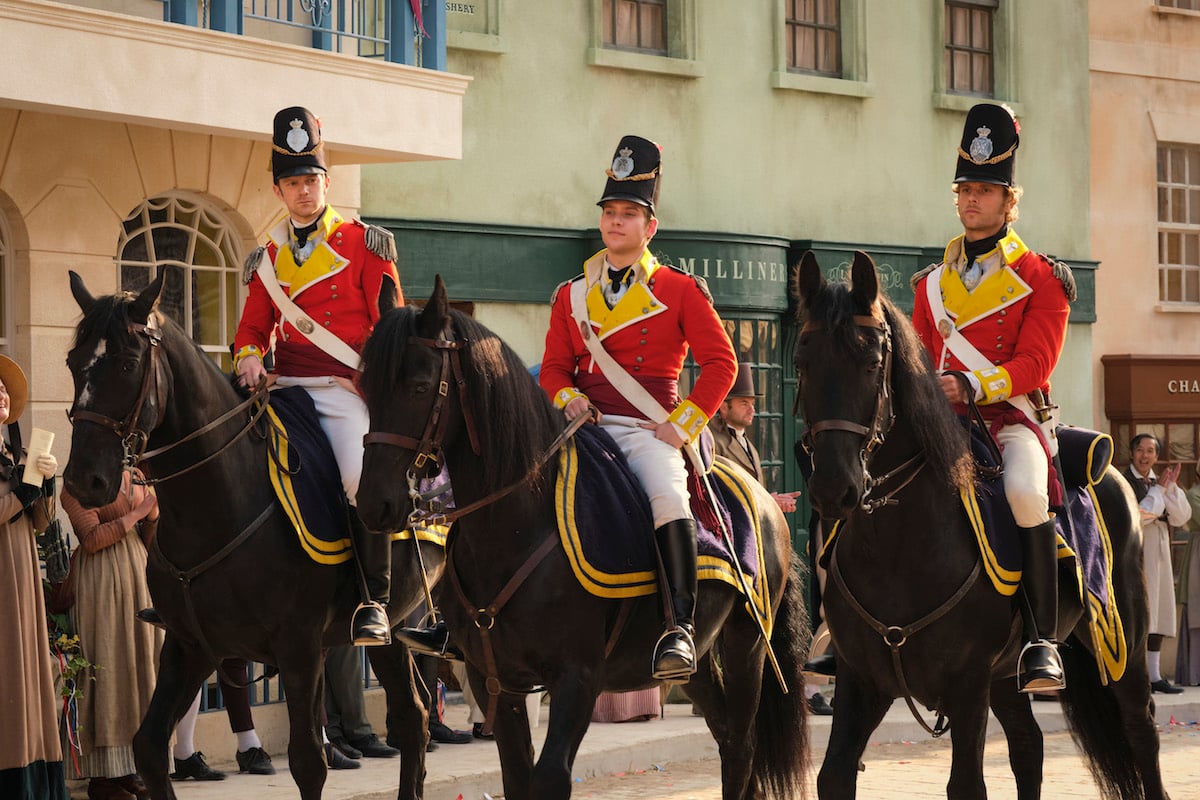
(911,770)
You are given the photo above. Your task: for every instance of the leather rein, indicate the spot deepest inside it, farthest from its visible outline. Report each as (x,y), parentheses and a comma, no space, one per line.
(430,448)
(882,420)
(134,438)
(894,636)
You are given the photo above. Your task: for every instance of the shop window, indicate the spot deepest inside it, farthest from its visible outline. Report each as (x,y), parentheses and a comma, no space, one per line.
(1186,5)
(1179,225)
(756,339)
(203,293)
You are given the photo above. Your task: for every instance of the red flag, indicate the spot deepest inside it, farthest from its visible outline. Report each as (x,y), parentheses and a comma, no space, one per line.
(416,9)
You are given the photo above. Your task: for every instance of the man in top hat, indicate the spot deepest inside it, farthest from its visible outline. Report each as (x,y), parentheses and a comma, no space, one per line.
(315,287)
(729,432)
(618,336)
(995,313)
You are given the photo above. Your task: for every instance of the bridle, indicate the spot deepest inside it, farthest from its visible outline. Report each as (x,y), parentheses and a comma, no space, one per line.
(882,420)
(429,446)
(135,437)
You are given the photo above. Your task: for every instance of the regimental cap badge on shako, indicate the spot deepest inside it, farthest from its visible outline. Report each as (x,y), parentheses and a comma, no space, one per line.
(634,174)
(296,144)
(987,153)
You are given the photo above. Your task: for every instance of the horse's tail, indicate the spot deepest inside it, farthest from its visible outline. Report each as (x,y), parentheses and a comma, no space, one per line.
(1096,726)
(781,754)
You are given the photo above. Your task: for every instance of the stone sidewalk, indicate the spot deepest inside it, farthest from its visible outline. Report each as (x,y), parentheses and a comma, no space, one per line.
(472,770)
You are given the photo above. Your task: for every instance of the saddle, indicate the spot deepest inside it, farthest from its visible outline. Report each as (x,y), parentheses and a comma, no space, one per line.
(606,528)
(308,486)
(1083,544)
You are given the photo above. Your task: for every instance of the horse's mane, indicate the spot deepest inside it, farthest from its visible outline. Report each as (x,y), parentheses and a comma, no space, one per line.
(918,398)
(514,417)
(109,318)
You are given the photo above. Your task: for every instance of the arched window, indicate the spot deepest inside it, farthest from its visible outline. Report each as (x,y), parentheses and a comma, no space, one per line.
(185,231)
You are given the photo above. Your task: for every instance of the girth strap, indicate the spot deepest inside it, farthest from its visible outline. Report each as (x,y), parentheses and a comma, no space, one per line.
(485,618)
(895,636)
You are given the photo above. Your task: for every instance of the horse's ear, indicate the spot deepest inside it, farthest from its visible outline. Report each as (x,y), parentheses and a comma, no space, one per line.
(864,280)
(388,294)
(140,308)
(82,296)
(809,279)
(436,313)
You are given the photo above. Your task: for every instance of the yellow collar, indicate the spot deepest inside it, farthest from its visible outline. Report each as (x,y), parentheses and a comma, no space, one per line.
(330,221)
(1010,247)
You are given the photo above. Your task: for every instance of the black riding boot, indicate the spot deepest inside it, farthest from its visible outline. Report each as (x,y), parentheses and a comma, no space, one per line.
(1039,667)
(675,652)
(370,625)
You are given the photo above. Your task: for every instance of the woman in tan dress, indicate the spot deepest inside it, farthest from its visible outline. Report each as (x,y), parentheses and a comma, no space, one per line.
(31,765)
(110,589)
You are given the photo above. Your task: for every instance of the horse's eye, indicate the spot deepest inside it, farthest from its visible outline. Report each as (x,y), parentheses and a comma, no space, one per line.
(129,365)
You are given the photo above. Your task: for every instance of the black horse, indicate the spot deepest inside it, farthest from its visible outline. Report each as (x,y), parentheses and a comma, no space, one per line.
(907,564)
(252,591)
(543,628)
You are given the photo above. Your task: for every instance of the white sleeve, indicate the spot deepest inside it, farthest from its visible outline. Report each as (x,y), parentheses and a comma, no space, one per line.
(1179,511)
(1153,503)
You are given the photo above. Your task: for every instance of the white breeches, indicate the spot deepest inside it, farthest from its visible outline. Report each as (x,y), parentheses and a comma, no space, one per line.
(659,468)
(1026,473)
(344,419)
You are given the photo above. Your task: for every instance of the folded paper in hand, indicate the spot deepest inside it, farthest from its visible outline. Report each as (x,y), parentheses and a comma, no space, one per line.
(40,442)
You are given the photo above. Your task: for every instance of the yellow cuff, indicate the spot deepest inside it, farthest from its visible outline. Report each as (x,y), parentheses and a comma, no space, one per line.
(248,350)
(995,384)
(566,395)
(690,419)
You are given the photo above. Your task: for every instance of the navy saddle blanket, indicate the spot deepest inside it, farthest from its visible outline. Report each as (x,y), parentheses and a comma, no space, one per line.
(606,527)
(304,474)
(1083,543)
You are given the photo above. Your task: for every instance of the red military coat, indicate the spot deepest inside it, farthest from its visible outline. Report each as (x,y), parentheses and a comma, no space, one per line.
(1016,317)
(664,312)
(338,285)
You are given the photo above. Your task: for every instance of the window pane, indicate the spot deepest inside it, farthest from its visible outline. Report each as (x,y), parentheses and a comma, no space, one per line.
(1181,442)
(652,28)
(626,23)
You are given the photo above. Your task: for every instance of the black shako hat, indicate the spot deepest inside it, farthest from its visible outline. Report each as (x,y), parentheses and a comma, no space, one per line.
(296,144)
(988,152)
(634,173)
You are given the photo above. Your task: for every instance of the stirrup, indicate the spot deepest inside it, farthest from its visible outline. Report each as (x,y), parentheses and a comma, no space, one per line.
(687,657)
(364,633)
(1046,674)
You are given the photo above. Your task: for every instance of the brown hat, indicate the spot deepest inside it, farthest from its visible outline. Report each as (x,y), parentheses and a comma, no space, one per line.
(744,385)
(17,386)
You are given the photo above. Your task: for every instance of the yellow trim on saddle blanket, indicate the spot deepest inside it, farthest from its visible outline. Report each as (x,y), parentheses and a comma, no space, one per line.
(1108,635)
(643,583)
(322,552)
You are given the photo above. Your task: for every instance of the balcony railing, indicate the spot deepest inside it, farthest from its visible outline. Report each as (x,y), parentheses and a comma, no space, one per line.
(384,29)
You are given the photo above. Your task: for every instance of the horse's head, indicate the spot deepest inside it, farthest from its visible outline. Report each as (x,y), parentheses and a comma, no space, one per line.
(411,380)
(119,379)
(843,362)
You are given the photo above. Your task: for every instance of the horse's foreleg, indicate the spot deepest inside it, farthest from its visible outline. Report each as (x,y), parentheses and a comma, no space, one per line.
(300,672)
(857,711)
(180,674)
(968,714)
(407,719)
(1025,747)
(511,729)
(572,698)
(742,656)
